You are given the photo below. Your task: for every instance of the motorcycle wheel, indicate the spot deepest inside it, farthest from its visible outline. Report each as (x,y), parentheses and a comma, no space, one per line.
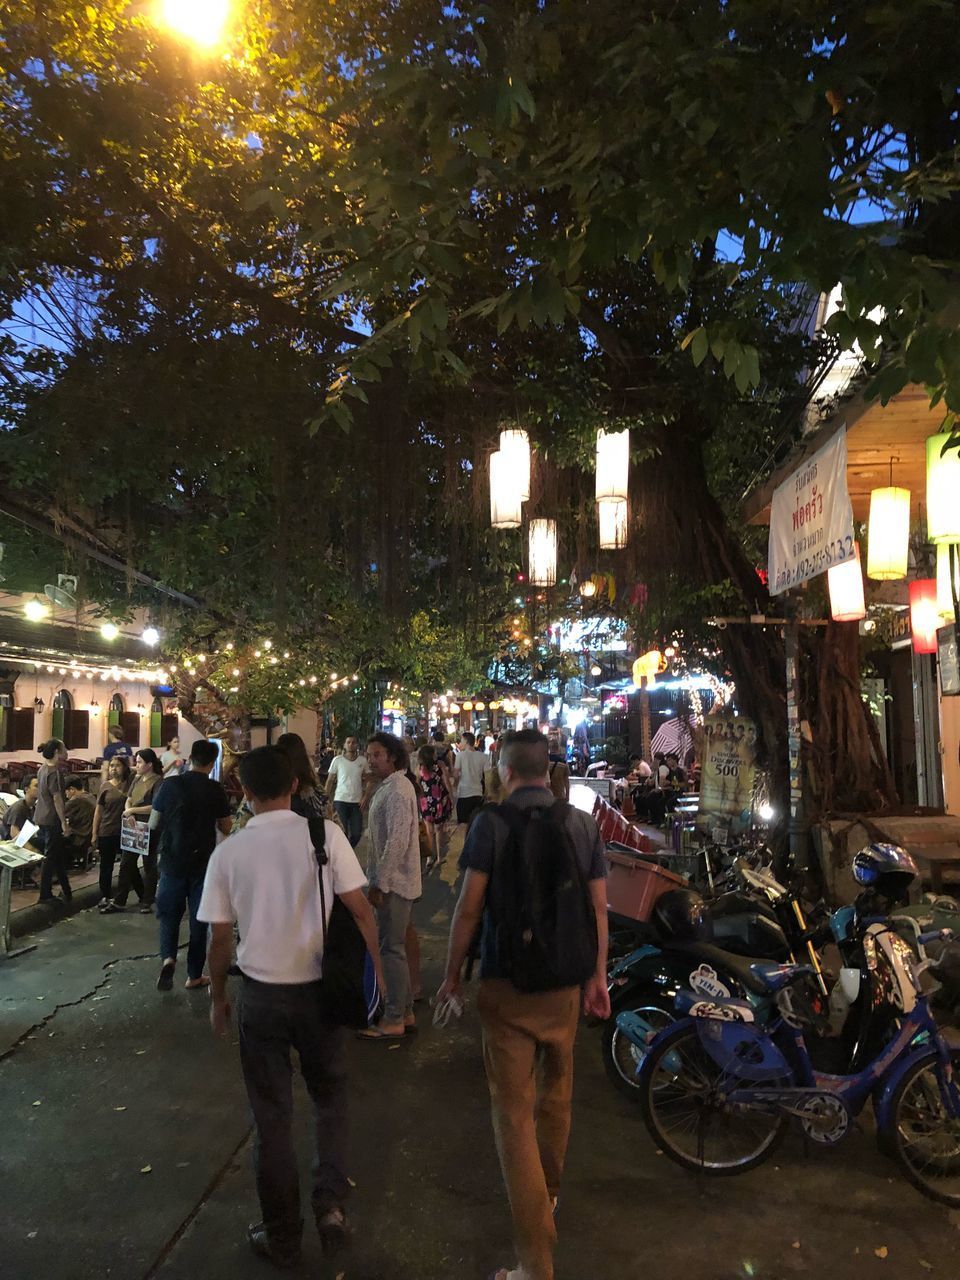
(688,1121)
(923,1138)
(621,1057)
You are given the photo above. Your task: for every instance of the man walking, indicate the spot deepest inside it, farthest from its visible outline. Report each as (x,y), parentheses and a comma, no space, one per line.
(188,811)
(265,879)
(345,786)
(468,775)
(531,980)
(394,877)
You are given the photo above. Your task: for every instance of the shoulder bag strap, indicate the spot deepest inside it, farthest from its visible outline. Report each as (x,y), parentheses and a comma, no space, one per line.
(320,853)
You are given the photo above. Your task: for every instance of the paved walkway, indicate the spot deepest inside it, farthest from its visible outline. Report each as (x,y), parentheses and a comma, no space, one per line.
(125,1152)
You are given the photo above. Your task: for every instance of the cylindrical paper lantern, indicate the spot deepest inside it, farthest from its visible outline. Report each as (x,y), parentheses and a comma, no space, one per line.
(612,513)
(946,593)
(924,615)
(515,445)
(543,553)
(888,534)
(613,464)
(943,488)
(505,494)
(845,584)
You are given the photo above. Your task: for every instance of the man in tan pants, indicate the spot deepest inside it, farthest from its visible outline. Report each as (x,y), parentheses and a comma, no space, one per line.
(523,1030)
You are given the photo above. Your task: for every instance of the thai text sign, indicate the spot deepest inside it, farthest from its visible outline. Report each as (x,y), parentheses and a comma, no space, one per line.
(728,773)
(811,519)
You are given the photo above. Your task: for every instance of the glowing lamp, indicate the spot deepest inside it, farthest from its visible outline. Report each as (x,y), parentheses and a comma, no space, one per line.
(454,709)
(596,669)
(200,21)
(888,535)
(588,588)
(543,553)
(35,610)
(612,513)
(613,464)
(943,486)
(506,497)
(515,447)
(468,706)
(947,592)
(924,615)
(479,706)
(845,585)
(495,706)
(110,631)
(150,635)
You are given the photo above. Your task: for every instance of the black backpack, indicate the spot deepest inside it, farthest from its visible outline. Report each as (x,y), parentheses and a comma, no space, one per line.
(543,916)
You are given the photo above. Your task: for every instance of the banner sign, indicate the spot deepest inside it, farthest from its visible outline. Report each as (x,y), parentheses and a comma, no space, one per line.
(728,773)
(811,518)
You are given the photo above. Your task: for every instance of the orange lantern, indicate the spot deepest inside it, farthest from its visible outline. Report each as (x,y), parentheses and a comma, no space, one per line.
(924,615)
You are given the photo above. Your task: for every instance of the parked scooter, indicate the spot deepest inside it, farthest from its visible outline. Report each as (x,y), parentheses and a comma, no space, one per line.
(707,948)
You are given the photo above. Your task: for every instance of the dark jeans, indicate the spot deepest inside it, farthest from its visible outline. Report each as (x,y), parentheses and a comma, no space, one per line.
(273,1020)
(351,819)
(129,877)
(108,848)
(54,862)
(175,895)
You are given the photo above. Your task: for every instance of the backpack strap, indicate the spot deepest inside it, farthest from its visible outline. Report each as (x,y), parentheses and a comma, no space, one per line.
(318,838)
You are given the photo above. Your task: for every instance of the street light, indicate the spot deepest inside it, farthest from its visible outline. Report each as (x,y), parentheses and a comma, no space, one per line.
(200,21)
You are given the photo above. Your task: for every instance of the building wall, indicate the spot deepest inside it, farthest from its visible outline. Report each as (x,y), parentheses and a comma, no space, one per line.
(83,691)
(950,745)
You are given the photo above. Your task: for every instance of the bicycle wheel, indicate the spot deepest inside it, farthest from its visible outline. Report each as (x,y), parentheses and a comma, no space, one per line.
(685,1114)
(621,1057)
(925,1138)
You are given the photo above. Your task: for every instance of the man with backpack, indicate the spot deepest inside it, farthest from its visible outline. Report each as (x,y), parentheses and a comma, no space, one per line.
(535,885)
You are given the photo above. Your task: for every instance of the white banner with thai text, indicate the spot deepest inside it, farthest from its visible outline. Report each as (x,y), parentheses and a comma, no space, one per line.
(811,518)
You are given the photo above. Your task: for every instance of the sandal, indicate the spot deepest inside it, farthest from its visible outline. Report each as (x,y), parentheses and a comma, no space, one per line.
(374,1033)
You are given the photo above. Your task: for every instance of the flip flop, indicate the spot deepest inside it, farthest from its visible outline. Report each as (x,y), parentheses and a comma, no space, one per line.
(374,1033)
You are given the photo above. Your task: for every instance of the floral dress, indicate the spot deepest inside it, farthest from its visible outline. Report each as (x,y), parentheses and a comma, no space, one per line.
(435,803)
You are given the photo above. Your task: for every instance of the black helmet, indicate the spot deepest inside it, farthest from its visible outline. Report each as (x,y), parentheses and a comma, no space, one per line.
(887,868)
(683,916)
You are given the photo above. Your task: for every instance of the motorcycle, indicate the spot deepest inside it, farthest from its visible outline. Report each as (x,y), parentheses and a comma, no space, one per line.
(762,922)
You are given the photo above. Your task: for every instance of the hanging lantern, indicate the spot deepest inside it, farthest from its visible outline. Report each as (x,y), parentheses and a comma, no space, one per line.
(505,496)
(468,705)
(924,615)
(947,592)
(888,535)
(588,588)
(943,486)
(515,445)
(613,523)
(613,464)
(543,553)
(845,585)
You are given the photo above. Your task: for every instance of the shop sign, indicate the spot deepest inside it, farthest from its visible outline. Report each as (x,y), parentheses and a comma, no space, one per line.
(811,519)
(728,773)
(949,667)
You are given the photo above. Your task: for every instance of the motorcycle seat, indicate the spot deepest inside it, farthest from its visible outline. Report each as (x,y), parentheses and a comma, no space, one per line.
(760,976)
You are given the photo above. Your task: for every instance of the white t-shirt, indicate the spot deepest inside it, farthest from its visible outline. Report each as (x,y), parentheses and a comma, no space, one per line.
(349,776)
(265,880)
(472,765)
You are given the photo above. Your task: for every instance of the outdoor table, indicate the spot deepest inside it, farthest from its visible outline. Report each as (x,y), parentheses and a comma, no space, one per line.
(12,858)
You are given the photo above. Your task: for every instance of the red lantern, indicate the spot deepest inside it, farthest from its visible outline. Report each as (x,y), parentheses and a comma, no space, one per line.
(924,615)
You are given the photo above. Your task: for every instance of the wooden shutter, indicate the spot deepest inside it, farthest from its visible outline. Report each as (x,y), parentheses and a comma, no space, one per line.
(77,730)
(169,727)
(22,729)
(130,723)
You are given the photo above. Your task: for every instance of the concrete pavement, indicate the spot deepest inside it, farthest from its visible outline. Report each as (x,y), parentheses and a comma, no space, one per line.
(125,1152)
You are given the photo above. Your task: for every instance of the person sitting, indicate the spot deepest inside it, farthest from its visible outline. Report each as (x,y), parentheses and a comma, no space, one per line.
(80,810)
(22,810)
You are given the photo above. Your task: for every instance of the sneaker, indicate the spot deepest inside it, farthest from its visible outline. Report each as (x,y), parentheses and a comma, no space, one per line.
(260,1244)
(146,908)
(165,981)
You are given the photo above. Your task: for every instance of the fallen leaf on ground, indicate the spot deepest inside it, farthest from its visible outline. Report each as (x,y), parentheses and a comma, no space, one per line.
(392,1048)
(41,997)
(31,1235)
(147,1168)
(119,1108)
(927,1266)
(38,1102)
(140,1052)
(881,1252)
(183,1164)
(351,1182)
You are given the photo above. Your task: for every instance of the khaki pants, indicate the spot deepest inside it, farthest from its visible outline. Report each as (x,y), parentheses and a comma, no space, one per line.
(531,1124)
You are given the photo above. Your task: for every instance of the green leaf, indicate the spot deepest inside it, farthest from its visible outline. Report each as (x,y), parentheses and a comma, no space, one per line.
(699,346)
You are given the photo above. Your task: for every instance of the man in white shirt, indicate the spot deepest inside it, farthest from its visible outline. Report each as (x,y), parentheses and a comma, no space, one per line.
(345,786)
(265,879)
(469,771)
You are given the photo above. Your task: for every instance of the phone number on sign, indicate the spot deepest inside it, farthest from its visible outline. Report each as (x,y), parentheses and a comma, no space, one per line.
(819,562)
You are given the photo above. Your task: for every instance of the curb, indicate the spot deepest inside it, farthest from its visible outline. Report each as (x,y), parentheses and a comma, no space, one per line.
(36,919)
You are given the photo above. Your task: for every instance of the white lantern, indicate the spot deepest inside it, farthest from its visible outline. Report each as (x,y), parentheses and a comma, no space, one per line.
(515,445)
(612,513)
(845,583)
(613,464)
(945,593)
(888,534)
(505,496)
(543,553)
(943,488)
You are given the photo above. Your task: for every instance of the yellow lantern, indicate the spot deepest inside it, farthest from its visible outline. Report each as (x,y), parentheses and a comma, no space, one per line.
(943,488)
(494,706)
(588,588)
(454,708)
(612,514)
(505,495)
(845,585)
(613,464)
(945,590)
(543,553)
(479,706)
(515,447)
(888,534)
(468,706)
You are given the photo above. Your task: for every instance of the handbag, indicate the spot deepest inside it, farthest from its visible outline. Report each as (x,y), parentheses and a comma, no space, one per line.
(349,992)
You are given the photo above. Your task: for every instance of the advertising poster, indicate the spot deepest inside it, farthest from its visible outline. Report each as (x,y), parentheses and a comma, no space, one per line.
(811,518)
(135,837)
(728,774)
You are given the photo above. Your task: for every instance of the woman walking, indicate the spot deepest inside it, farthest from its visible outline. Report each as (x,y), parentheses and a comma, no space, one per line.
(309,799)
(107,819)
(435,795)
(50,816)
